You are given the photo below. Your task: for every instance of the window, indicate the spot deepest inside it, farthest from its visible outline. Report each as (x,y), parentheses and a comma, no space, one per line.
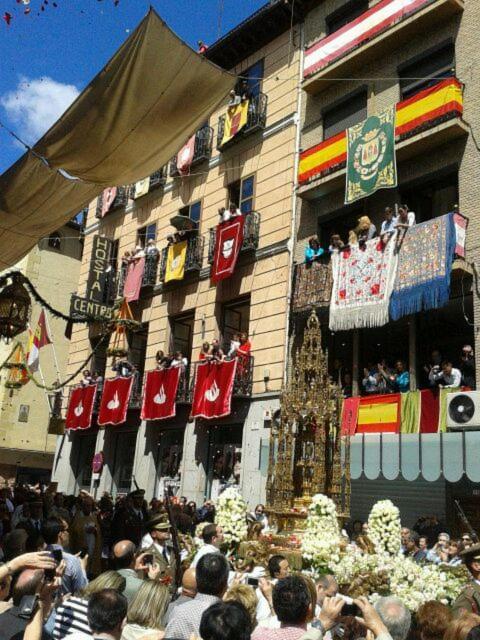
(55,241)
(99,361)
(427,69)
(235,318)
(253,75)
(241,194)
(192,211)
(114,255)
(137,353)
(345,14)
(344,113)
(433,197)
(146,233)
(181,331)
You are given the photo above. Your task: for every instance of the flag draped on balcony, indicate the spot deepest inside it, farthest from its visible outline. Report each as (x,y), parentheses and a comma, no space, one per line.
(133,281)
(371,161)
(36,341)
(379,414)
(363,279)
(108,196)
(228,242)
(160,393)
(185,156)
(176,258)
(421,283)
(235,119)
(212,395)
(115,399)
(80,407)
(142,187)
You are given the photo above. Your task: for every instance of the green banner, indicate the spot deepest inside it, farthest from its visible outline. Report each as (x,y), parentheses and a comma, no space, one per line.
(371,161)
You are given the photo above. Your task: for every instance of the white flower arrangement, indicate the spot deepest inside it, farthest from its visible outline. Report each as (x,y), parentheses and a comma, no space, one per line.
(384,528)
(231,515)
(320,541)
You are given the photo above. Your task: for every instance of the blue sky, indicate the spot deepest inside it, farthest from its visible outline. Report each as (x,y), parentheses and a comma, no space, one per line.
(48,58)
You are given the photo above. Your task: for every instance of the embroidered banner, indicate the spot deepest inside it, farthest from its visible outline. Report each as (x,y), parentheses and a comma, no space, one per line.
(115,399)
(235,119)
(371,163)
(176,258)
(160,393)
(362,285)
(350,416)
(379,414)
(142,187)
(212,395)
(108,196)
(80,407)
(425,259)
(313,286)
(228,242)
(133,281)
(185,156)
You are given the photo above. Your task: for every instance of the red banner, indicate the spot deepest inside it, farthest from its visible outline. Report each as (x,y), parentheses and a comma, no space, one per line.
(185,156)
(108,196)
(228,242)
(133,281)
(350,416)
(160,393)
(212,395)
(80,407)
(115,399)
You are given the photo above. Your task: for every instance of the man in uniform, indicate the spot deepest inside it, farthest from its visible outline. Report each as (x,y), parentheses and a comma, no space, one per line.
(161,549)
(129,522)
(469,600)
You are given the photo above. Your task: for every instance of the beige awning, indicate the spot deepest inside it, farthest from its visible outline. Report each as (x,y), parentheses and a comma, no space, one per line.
(128,122)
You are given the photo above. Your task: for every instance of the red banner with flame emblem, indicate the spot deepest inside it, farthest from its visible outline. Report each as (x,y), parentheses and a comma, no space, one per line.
(80,407)
(228,242)
(115,399)
(160,393)
(212,395)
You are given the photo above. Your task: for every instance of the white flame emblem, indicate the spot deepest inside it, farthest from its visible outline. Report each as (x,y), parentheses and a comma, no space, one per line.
(176,263)
(160,398)
(212,394)
(78,409)
(227,248)
(114,403)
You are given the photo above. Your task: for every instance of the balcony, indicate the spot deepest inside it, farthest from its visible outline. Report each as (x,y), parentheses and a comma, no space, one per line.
(424,121)
(149,278)
(251,235)
(242,384)
(380,30)
(121,200)
(193,260)
(312,286)
(201,153)
(157,179)
(256,121)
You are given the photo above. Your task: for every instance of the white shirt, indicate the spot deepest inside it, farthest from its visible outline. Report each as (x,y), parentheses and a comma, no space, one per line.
(410,218)
(449,381)
(388,226)
(147,541)
(207,548)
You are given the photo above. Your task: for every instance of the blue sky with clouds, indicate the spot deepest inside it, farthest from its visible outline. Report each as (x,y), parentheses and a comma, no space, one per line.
(48,57)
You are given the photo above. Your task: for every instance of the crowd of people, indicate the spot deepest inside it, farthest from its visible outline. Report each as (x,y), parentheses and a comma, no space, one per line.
(78,568)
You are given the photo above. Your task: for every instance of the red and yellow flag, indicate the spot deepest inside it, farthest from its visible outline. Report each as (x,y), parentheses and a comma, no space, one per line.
(37,340)
(235,120)
(379,414)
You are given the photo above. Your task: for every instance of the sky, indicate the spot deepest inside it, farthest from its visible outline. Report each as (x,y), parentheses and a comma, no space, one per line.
(48,57)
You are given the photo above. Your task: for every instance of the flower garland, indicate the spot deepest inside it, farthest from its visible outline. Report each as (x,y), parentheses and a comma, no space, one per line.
(231,515)
(321,539)
(384,528)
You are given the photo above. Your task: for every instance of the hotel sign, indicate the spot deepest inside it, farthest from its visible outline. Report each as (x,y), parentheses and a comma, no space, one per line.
(83,308)
(100,270)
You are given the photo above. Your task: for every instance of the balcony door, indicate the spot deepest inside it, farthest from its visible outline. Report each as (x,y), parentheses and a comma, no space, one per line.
(224,459)
(123,461)
(235,318)
(181,334)
(137,353)
(168,462)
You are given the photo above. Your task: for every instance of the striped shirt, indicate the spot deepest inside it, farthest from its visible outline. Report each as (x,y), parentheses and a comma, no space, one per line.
(71,618)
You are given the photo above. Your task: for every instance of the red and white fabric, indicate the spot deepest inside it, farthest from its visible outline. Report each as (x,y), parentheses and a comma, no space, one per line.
(115,399)
(185,156)
(160,393)
(108,196)
(228,242)
(133,281)
(212,395)
(80,407)
(461,224)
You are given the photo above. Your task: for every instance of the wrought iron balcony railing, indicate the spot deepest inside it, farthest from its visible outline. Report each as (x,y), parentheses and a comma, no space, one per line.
(157,179)
(256,121)
(202,151)
(120,200)
(193,259)
(251,235)
(149,278)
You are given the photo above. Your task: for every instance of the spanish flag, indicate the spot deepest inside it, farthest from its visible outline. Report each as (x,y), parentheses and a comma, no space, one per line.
(379,414)
(36,341)
(235,120)
(176,257)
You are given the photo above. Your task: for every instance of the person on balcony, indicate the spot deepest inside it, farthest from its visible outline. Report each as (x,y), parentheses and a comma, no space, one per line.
(448,377)
(467,367)
(86,378)
(163,361)
(388,225)
(365,230)
(234,98)
(216,353)
(399,380)
(433,367)
(151,250)
(234,346)
(204,351)
(179,361)
(336,243)
(245,346)
(313,251)
(138,253)
(405,218)
(123,368)
(202,47)
(372,380)
(347,389)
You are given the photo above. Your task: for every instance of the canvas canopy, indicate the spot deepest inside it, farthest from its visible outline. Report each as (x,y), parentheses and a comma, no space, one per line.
(128,122)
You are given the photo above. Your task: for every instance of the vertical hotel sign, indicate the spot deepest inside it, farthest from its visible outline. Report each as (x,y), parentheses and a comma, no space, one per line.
(100,271)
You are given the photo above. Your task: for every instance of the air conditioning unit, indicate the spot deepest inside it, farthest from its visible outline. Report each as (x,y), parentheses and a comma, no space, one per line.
(463,410)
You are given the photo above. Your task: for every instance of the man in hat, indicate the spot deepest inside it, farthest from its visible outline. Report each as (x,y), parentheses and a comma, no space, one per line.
(159,529)
(129,522)
(469,600)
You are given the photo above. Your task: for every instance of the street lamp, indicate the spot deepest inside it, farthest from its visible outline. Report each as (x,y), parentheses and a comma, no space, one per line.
(14,308)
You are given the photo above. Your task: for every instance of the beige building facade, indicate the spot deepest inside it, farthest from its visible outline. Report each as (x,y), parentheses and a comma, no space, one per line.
(26,448)
(257,171)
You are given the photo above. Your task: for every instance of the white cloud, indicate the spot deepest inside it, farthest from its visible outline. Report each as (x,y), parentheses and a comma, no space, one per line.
(36,104)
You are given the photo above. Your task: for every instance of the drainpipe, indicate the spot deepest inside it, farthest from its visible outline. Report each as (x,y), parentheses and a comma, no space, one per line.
(291,241)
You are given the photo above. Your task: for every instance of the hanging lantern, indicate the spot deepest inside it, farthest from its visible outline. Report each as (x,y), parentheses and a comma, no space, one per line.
(17,370)
(123,319)
(14,309)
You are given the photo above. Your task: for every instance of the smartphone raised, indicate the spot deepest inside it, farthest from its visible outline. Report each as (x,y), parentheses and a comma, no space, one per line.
(28,606)
(253,582)
(148,559)
(350,609)
(57,555)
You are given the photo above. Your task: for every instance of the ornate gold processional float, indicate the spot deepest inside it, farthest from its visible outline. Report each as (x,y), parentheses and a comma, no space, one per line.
(307,455)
